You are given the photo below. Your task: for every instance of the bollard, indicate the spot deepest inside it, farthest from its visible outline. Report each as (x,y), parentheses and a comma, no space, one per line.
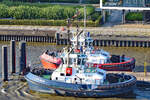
(22,56)
(145,69)
(4,63)
(13,56)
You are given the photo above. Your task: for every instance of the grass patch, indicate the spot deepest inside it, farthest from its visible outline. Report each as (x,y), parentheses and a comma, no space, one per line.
(134,16)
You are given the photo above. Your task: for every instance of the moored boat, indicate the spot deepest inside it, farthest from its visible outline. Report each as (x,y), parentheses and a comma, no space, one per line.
(49,60)
(95,57)
(75,78)
(45,85)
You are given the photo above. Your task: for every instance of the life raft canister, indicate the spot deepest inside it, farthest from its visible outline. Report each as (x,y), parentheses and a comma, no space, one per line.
(68,71)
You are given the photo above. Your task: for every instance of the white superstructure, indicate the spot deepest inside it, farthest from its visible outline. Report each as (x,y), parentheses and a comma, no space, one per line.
(77,72)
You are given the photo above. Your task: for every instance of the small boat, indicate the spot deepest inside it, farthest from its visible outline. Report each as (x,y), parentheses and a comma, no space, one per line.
(82,42)
(75,78)
(49,60)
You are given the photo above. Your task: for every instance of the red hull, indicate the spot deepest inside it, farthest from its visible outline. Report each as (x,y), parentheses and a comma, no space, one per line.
(50,62)
(48,65)
(122,66)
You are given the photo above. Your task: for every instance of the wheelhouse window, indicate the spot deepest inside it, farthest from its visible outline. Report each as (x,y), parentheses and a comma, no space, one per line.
(90,43)
(100,73)
(70,60)
(83,62)
(79,61)
(62,60)
(62,74)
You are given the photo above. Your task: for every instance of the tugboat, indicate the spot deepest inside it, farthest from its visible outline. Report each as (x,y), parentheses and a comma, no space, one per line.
(75,78)
(95,57)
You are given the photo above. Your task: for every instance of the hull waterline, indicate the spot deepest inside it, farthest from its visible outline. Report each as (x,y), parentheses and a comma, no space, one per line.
(40,84)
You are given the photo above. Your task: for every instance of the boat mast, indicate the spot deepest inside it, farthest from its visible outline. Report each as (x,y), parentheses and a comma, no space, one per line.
(68,30)
(77,31)
(84,26)
(84,17)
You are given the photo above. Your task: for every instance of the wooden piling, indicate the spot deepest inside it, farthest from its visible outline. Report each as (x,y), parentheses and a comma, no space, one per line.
(109,43)
(100,43)
(137,43)
(105,43)
(4,63)
(57,38)
(13,56)
(22,56)
(117,42)
(133,44)
(112,42)
(148,43)
(125,43)
(141,43)
(121,43)
(129,43)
